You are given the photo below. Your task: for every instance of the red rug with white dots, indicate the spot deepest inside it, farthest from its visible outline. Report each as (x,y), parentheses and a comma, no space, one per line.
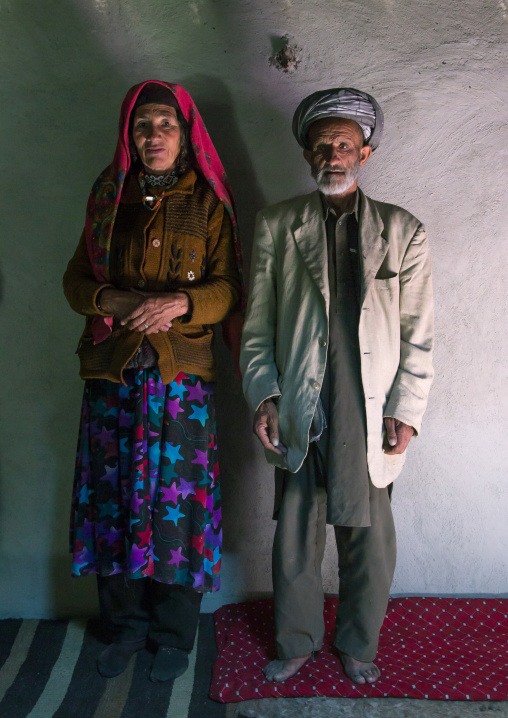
(433,648)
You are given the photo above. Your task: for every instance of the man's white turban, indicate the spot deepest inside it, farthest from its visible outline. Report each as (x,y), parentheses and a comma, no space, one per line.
(343,102)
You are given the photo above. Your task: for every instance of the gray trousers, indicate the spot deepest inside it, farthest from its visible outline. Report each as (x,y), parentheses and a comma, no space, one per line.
(366,566)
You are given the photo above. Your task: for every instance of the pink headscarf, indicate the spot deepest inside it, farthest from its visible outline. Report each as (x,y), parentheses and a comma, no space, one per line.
(107,190)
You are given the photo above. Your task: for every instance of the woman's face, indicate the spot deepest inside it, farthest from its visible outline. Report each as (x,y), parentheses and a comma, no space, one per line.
(156,134)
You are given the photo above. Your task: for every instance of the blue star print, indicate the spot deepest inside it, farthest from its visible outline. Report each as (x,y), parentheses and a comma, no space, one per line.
(173,515)
(200,414)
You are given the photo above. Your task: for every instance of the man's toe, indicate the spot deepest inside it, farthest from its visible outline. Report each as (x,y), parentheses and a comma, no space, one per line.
(358,678)
(270,671)
(372,674)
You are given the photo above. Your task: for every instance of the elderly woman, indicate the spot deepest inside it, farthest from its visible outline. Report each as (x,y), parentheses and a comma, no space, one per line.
(157,264)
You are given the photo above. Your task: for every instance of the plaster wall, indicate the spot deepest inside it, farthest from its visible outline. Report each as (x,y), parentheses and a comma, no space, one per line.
(440,73)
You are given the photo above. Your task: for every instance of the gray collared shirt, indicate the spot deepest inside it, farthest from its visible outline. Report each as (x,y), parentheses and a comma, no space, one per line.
(343,443)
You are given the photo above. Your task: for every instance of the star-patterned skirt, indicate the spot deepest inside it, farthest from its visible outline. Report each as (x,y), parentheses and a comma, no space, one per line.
(146,497)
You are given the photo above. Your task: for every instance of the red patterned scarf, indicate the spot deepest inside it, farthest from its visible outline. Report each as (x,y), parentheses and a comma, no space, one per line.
(107,190)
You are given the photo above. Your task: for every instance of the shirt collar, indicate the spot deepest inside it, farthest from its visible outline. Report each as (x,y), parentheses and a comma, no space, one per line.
(328,210)
(131,192)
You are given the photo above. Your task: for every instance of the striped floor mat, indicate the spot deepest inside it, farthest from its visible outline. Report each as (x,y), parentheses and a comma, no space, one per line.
(47,668)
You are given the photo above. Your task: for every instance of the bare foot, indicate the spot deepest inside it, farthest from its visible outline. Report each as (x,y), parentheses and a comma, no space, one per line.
(359,671)
(282,670)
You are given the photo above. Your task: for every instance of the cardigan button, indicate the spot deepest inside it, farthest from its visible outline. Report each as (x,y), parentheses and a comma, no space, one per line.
(156,243)
(141,282)
(322,342)
(316,385)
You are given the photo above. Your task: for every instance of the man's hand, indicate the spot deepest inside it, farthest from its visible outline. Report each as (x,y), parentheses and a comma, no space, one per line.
(266,427)
(398,436)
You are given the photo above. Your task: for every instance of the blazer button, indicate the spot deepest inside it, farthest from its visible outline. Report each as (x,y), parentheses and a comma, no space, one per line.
(316,385)
(141,282)
(156,243)
(322,342)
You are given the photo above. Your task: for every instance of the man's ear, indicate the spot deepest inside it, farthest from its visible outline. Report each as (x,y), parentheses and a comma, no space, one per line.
(365,153)
(308,156)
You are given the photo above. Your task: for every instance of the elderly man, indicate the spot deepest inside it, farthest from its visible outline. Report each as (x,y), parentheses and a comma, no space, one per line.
(337,366)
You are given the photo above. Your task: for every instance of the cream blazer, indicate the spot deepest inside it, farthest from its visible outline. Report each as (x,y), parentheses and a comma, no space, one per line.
(285,336)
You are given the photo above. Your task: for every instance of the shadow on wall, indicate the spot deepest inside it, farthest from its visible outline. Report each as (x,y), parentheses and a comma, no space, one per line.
(234,426)
(220,118)
(60,86)
(91,142)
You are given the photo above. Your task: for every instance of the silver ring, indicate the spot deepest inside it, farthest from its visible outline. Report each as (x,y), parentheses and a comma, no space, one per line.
(145,325)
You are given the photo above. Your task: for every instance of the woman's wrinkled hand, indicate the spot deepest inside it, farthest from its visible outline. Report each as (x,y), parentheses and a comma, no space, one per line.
(119,302)
(156,311)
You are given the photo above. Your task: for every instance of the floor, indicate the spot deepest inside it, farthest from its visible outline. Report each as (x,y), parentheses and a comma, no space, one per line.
(48,668)
(365,708)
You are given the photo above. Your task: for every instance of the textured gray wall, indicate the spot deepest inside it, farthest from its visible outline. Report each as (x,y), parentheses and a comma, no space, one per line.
(440,73)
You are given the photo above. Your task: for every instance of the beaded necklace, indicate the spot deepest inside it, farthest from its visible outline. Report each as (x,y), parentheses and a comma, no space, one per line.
(152,200)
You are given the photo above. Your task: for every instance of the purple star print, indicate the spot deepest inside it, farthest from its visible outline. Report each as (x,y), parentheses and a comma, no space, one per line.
(186,488)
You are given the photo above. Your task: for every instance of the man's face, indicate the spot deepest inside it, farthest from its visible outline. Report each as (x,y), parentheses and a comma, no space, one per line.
(156,134)
(336,154)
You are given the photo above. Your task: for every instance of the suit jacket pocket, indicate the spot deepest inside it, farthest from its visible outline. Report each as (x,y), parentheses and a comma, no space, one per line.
(387,282)
(394,459)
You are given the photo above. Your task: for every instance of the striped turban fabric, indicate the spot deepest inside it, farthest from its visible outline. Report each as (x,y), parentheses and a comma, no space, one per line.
(343,102)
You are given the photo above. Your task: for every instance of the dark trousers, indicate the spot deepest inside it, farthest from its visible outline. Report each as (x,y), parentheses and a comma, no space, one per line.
(366,567)
(133,610)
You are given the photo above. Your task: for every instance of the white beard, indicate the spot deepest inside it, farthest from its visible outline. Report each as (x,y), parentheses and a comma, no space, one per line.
(330,183)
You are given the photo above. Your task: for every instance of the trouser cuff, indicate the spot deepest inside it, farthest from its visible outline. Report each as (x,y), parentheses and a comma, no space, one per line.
(172,640)
(295,650)
(351,648)
(135,644)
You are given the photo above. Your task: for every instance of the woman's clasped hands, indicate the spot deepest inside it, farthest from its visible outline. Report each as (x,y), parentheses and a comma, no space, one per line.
(145,312)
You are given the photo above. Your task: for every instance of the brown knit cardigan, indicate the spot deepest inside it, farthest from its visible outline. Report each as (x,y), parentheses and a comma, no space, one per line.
(185,245)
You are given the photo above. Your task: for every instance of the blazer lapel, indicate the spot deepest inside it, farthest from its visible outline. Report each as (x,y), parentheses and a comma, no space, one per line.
(373,246)
(310,236)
